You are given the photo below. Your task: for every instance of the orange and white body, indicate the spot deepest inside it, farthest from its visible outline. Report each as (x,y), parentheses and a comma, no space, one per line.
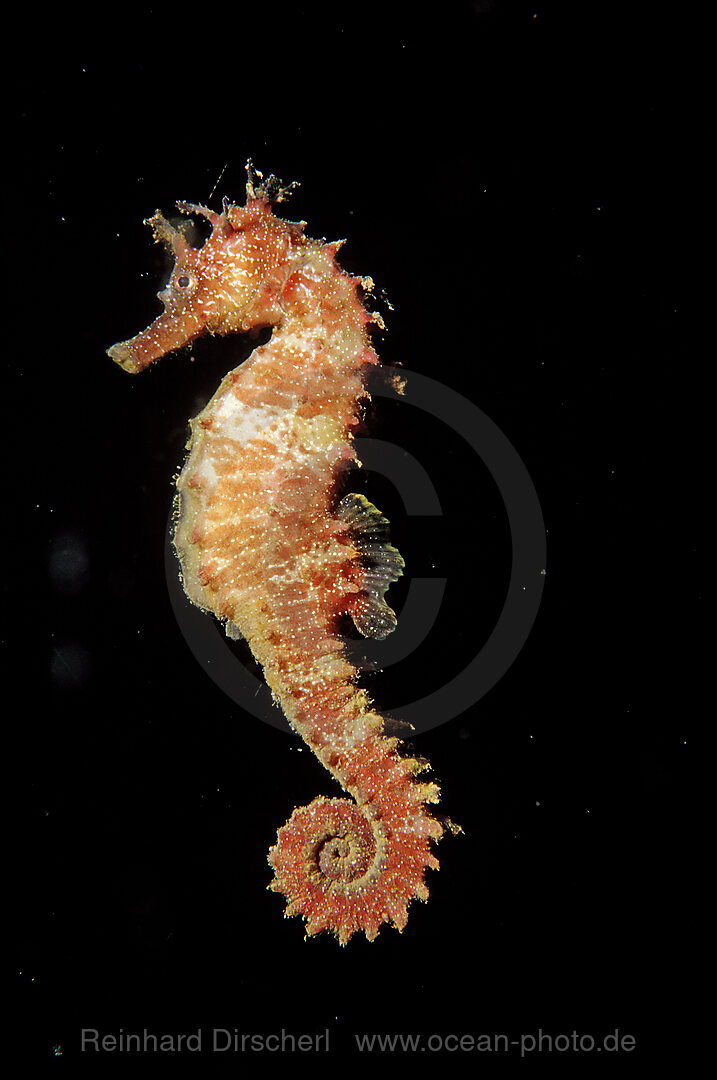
(268,547)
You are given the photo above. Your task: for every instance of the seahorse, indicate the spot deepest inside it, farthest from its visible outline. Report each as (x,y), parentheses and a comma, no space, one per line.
(267,545)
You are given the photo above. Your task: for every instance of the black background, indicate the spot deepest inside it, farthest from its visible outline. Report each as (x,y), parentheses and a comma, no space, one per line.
(520,180)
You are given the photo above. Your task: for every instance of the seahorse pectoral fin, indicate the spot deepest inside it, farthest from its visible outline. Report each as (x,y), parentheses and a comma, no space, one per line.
(382,565)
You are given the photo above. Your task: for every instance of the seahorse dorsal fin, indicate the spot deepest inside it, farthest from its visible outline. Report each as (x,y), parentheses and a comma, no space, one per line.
(382,564)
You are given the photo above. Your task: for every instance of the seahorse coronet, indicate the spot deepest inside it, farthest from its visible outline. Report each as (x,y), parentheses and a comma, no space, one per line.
(267,545)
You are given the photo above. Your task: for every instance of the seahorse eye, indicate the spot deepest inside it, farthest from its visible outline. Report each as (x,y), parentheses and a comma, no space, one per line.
(183,282)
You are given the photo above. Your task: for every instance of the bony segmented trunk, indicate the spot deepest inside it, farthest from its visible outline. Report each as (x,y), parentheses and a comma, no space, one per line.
(267,545)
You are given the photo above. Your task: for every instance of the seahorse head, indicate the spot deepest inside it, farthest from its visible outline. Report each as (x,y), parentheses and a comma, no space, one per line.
(232,282)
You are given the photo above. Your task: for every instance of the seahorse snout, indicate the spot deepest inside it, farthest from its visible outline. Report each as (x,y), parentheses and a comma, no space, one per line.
(166,333)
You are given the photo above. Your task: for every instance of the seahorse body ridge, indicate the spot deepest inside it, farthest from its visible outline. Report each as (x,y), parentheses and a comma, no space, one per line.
(268,547)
